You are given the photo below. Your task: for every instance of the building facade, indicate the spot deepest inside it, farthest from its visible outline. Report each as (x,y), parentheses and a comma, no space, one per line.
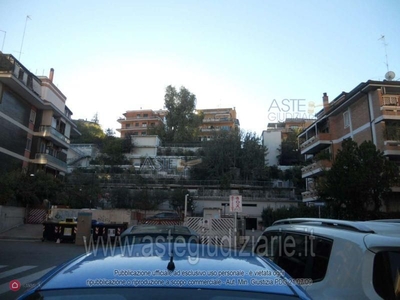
(35,123)
(371,111)
(216,120)
(276,133)
(138,122)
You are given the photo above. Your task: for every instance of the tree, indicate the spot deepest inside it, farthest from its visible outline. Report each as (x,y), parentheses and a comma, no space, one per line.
(289,150)
(177,200)
(113,151)
(252,158)
(221,156)
(358,181)
(83,190)
(91,133)
(182,123)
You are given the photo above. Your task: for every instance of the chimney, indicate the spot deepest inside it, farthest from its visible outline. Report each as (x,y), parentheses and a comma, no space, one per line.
(51,74)
(325,101)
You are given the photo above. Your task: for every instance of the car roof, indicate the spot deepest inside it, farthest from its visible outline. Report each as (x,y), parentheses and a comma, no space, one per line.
(384,227)
(375,235)
(191,262)
(158,229)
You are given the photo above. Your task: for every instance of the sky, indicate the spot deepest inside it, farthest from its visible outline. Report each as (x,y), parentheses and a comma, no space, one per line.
(268,59)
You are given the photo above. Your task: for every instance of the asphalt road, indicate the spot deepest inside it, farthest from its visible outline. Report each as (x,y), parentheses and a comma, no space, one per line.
(27,261)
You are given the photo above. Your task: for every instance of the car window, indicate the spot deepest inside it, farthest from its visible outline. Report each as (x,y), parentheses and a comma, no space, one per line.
(300,255)
(386,274)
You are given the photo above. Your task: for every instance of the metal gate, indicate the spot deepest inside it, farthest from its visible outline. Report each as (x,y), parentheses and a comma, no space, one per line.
(213,231)
(36,216)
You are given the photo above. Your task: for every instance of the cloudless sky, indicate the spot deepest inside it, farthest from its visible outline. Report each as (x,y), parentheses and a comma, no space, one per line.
(119,55)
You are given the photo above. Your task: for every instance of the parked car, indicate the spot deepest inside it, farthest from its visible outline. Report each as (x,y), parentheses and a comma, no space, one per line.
(344,259)
(167,271)
(158,233)
(164,216)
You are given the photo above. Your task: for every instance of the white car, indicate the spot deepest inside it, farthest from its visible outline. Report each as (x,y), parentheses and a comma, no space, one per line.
(344,259)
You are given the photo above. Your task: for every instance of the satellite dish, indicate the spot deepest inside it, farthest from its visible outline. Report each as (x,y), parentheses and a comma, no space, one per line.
(390,75)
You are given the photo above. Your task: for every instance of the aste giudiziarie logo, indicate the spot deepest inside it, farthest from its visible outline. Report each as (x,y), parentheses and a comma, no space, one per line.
(280,110)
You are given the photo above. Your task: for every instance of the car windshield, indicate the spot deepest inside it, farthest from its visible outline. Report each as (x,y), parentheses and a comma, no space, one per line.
(154,294)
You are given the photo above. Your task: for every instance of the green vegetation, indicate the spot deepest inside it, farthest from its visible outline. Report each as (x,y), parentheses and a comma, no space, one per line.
(359,180)
(182,123)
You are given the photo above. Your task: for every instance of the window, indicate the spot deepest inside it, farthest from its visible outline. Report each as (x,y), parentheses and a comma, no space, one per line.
(135,133)
(136,124)
(138,116)
(346,119)
(145,115)
(386,276)
(143,132)
(128,125)
(144,124)
(32,116)
(300,255)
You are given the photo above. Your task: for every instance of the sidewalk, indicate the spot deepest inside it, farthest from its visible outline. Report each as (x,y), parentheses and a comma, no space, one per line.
(27,232)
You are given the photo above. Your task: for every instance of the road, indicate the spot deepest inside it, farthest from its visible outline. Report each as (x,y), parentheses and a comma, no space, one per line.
(27,261)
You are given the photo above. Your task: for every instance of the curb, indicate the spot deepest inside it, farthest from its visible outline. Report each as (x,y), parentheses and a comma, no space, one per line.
(21,238)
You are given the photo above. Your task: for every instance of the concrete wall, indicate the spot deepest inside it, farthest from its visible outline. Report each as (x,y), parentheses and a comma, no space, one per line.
(11,217)
(118,216)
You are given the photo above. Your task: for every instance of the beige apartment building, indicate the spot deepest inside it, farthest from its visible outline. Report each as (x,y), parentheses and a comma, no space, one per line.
(216,120)
(371,111)
(138,122)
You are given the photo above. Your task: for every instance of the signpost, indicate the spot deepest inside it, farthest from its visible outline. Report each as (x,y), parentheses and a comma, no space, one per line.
(235,205)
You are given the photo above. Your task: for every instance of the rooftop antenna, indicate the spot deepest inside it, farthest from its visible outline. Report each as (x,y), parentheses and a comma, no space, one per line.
(23,37)
(389,74)
(4,39)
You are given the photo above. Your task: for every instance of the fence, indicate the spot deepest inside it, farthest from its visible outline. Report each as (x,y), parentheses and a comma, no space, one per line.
(213,231)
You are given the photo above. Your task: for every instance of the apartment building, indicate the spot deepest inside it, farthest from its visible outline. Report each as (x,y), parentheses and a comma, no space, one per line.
(35,123)
(277,132)
(138,122)
(371,111)
(217,119)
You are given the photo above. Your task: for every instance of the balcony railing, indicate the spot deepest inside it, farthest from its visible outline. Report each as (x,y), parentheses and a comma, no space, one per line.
(44,159)
(8,64)
(309,196)
(321,140)
(206,120)
(51,132)
(316,168)
(391,147)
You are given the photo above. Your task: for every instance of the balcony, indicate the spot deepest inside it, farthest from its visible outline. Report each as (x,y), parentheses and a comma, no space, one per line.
(214,120)
(133,119)
(55,136)
(316,168)
(391,148)
(19,79)
(53,162)
(316,143)
(309,196)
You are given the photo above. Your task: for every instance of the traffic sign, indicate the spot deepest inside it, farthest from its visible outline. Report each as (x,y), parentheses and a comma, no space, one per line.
(235,203)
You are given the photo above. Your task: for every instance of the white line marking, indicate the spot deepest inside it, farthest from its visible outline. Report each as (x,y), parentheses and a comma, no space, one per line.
(4,288)
(16,271)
